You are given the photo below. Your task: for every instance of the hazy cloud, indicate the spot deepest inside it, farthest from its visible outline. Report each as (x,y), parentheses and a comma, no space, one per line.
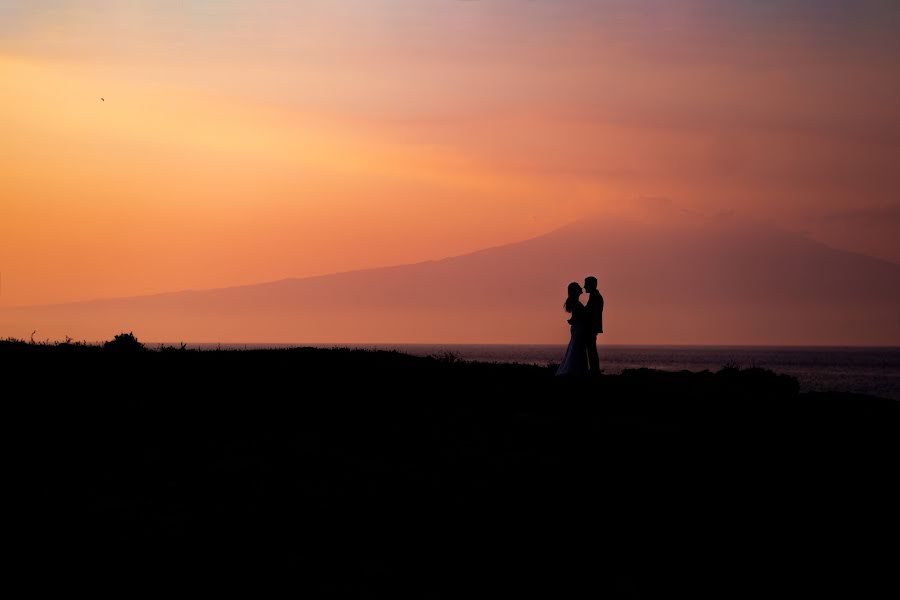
(871,215)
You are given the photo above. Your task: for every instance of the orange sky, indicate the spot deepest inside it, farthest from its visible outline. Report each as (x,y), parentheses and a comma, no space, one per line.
(249,141)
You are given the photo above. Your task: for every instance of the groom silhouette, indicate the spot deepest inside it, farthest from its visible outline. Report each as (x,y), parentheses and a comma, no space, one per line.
(595,323)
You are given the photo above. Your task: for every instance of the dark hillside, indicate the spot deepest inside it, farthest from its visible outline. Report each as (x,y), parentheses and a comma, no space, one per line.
(376,473)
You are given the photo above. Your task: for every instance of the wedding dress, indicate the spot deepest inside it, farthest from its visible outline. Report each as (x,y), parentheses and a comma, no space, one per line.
(575,361)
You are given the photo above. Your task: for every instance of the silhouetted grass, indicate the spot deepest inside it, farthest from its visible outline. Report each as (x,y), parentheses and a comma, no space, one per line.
(378,473)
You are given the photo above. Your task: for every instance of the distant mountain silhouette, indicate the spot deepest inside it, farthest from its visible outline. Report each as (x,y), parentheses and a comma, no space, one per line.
(687,280)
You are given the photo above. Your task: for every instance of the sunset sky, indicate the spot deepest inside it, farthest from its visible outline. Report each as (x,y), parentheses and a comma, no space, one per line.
(245,141)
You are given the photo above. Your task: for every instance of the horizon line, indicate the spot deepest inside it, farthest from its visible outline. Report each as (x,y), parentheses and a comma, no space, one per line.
(374,345)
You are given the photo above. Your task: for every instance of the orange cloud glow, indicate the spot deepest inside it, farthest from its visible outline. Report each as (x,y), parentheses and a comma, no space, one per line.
(159,186)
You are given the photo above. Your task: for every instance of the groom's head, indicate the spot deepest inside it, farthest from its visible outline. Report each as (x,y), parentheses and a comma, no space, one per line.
(590,284)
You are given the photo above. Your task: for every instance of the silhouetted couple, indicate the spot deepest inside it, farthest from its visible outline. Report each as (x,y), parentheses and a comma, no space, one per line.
(587,321)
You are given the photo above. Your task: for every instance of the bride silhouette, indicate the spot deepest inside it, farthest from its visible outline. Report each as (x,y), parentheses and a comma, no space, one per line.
(575,362)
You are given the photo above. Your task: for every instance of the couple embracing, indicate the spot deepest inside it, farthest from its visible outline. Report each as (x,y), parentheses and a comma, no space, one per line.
(587,321)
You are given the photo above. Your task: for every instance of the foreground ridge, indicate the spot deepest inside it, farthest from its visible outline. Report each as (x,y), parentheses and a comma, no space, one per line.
(372,472)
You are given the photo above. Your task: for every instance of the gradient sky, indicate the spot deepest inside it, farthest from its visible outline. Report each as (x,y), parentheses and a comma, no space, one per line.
(244,141)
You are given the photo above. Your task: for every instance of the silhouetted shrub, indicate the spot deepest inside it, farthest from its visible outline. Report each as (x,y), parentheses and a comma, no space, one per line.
(124,342)
(446,357)
(757,380)
(181,348)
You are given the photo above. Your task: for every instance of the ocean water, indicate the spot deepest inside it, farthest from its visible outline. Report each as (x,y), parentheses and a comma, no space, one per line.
(873,371)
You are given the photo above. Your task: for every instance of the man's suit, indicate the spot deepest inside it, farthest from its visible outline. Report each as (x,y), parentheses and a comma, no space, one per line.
(595,316)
